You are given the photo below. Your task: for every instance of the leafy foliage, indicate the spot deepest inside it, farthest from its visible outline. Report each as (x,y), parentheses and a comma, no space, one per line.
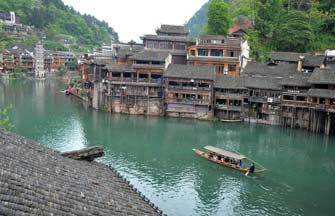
(219,19)
(5,123)
(56,20)
(283,25)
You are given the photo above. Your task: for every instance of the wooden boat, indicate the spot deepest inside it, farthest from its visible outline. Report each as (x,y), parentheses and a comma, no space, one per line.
(227,156)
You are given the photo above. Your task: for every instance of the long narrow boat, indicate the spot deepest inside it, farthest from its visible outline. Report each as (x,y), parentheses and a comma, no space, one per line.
(225,158)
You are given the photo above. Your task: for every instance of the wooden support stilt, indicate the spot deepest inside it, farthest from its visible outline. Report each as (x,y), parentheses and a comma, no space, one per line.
(327,124)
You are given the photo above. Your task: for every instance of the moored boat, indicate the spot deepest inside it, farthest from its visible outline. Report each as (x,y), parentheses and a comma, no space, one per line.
(229,159)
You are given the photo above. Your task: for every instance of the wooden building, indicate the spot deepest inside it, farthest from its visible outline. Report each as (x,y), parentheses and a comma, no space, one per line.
(137,88)
(172,38)
(225,53)
(230,97)
(294,101)
(305,62)
(264,84)
(189,91)
(322,101)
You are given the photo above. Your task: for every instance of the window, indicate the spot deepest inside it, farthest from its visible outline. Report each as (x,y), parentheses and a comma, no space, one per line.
(216,52)
(180,46)
(192,52)
(219,69)
(126,75)
(231,53)
(152,44)
(202,52)
(165,45)
(232,68)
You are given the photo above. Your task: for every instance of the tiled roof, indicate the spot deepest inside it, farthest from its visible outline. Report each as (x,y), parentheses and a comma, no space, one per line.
(323,76)
(269,83)
(299,79)
(149,55)
(287,56)
(36,180)
(165,38)
(323,93)
(178,29)
(262,69)
(190,72)
(212,58)
(313,60)
(228,82)
(118,68)
(125,51)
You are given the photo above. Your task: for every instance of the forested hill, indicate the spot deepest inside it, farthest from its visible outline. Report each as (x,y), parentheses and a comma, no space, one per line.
(58,22)
(283,25)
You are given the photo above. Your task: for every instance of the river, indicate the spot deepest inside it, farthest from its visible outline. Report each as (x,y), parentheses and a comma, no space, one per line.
(155,154)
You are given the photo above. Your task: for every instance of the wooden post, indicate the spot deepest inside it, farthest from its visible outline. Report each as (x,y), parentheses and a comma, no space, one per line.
(327,126)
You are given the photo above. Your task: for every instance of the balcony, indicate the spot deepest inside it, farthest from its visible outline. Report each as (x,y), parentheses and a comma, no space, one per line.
(269,100)
(236,96)
(188,101)
(229,108)
(149,66)
(189,88)
(292,103)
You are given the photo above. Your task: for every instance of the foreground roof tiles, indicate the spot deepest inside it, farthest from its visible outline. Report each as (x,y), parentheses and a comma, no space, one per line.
(36,180)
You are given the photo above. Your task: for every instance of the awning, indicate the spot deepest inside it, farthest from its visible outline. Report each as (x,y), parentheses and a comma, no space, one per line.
(225,153)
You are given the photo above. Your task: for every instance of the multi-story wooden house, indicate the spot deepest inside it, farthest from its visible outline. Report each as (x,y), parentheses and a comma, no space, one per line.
(322,100)
(230,97)
(171,38)
(264,84)
(189,91)
(294,101)
(136,88)
(305,62)
(227,54)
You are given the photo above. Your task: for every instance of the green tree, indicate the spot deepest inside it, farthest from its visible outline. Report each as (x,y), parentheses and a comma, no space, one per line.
(294,33)
(5,122)
(219,19)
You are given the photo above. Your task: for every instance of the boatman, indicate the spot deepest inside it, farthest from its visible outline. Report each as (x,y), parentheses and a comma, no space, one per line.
(252,168)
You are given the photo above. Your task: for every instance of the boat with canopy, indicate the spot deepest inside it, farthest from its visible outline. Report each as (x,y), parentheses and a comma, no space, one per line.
(229,159)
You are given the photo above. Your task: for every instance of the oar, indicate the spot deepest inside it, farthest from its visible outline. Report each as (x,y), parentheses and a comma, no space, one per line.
(247,173)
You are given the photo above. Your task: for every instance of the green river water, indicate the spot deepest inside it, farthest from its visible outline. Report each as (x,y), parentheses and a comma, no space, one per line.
(155,154)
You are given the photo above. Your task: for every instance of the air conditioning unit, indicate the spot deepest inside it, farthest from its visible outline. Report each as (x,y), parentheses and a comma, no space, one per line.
(270,100)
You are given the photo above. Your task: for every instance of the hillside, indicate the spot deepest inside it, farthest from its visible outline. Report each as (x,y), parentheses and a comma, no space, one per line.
(59,24)
(197,22)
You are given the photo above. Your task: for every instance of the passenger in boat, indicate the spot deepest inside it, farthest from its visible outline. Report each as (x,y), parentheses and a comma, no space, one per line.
(240,163)
(210,155)
(219,157)
(252,168)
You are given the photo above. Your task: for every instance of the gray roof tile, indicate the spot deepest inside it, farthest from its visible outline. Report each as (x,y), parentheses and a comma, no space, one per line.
(228,82)
(323,93)
(36,180)
(323,76)
(190,72)
(150,55)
